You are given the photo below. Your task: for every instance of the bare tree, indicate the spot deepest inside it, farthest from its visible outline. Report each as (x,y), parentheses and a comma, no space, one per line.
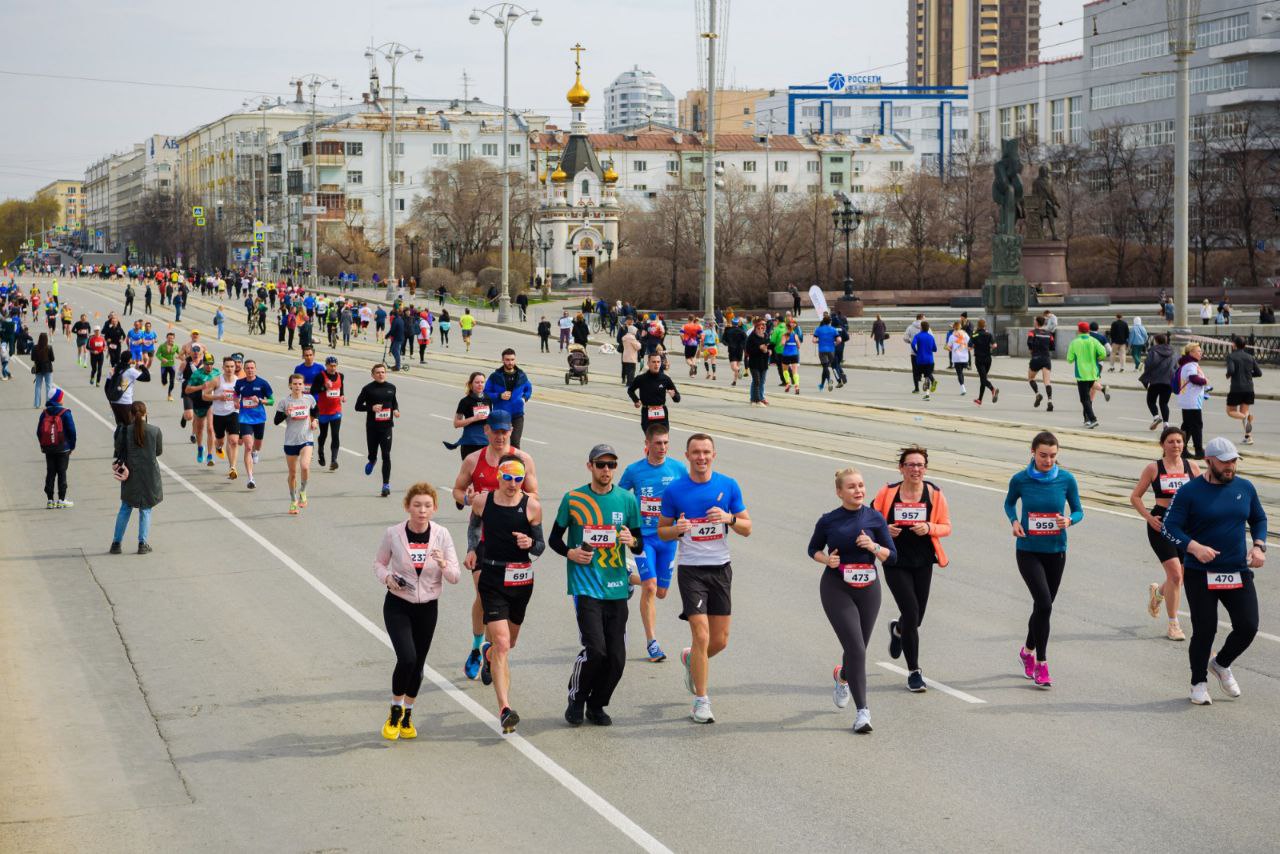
(913,209)
(1246,149)
(773,231)
(968,204)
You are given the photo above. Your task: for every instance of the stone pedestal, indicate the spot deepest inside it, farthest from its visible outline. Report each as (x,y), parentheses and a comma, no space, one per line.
(1044,264)
(849,306)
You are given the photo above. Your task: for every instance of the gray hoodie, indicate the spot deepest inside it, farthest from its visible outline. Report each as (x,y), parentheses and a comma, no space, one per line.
(1159,367)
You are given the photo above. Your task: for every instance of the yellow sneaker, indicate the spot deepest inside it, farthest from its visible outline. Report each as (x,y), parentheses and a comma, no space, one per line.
(221,455)
(391,729)
(407,729)
(302,498)
(293,508)
(233,474)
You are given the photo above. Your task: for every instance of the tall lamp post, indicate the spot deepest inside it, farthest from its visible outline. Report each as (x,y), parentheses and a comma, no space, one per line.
(504,17)
(1182,19)
(608,251)
(262,106)
(392,52)
(545,244)
(314,82)
(846,219)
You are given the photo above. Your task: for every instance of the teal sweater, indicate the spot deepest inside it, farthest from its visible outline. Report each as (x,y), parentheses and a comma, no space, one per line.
(1048,494)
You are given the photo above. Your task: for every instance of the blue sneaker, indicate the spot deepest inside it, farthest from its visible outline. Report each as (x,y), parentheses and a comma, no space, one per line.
(655,652)
(472,667)
(199,456)
(486,676)
(368,468)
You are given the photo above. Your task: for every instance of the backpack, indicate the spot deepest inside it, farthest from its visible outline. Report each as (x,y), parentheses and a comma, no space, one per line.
(116,384)
(51,432)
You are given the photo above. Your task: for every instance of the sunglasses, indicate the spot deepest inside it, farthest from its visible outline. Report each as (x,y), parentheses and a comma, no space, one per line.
(516,477)
(605,464)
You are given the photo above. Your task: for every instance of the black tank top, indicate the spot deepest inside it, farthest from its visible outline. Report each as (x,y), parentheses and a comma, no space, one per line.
(913,549)
(1162,480)
(499,525)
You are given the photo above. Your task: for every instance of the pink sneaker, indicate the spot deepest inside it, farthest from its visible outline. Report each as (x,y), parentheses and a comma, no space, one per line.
(1042,676)
(1028,662)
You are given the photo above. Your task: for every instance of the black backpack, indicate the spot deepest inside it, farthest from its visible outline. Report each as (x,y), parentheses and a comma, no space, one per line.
(116,384)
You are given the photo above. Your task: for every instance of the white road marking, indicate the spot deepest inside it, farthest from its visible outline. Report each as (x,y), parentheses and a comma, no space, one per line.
(934,683)
(580,790)
(1227,625)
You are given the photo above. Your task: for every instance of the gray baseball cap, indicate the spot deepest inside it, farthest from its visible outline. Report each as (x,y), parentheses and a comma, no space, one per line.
(1221,449)
(601,451)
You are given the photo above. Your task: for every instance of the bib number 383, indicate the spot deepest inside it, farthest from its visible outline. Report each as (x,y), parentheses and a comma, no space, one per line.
(1225,581)
(858,574)
(518,575)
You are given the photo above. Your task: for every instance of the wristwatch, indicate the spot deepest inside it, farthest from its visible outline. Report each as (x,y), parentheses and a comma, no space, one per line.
(1261,546)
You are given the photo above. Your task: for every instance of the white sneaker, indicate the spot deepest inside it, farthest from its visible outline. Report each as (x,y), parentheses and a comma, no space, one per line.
(65,504)
(1200,694)
(963,391)
(688,673)
(1225,679)
(255,457)
(840,694)
(862,724)
(702,711)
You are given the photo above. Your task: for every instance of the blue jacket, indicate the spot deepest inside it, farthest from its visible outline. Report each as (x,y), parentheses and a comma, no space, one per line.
(1047,492)
(1215,515)
(68,425)
(521,390)
(924,346)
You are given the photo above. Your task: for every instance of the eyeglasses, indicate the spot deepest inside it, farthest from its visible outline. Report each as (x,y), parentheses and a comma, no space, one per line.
(605,464)
(913,465)
(516,477)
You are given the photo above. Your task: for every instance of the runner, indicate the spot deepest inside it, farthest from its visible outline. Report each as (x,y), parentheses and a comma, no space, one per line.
(1040,343)
(1242,369)
(255,396)
(848,541)
(1159,370)
(81,330)
(221,392)
(691,337)
(1207,518)
(923,346)
(982,344)
(472,412)
(330,391)
(826,335)
(97,349)
(201,425)
(958,347)
(66,320)
(467,323)
(699,510)
(1041,532)
(297,412)
(649,392)
(1191,385)
(648,478)
(503,537)
(789,354)
(413,561)
(1086,354)
(1164,477)
(378,400)
(709,350)
(148,344)
(309,367)
(510,389)
(918,518)
(168,354)
(593,524)
(135,341)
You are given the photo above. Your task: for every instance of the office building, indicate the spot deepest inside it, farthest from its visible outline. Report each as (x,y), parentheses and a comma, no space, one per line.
(636,98)
(949,41)
(69,193)
(735,110)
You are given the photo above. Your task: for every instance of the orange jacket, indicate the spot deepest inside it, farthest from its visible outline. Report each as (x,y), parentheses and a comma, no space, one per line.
(939,516)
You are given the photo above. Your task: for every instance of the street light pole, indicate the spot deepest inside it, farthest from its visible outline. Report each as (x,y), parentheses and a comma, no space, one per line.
(392,52)
(846,219)
(1182,16)
(504,17)
(313,83)
(709,171)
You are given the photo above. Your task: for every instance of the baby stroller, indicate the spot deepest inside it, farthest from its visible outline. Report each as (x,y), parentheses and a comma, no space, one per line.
(578,361)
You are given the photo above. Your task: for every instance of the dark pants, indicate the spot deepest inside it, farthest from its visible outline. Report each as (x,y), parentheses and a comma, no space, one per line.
(837,365)
(1042,574)
(628,371)
(1193,426)
(95,367)
(1158,395)
(983,366)
(396,347)
(167,375)
(411,626)
(329,428)
(1242,608)
(55,466)
(915,374)
(545,340)
(123,412)
(379,440)
(852,613)
(602,623)
(517,430)
(910,588)
(1085,387)
(758,378)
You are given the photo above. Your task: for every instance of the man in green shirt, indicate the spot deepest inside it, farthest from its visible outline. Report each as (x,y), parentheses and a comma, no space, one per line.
(1086,355)
(593,525)
(168,352)
(777,340)
(202,373)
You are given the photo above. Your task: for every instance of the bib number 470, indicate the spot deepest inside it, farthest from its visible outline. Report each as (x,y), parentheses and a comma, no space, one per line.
(1225,581)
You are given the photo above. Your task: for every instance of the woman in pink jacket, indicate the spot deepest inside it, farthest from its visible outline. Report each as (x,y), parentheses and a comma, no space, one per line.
(413,560)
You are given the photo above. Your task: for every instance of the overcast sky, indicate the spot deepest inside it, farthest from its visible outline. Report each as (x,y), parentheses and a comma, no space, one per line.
(215,55)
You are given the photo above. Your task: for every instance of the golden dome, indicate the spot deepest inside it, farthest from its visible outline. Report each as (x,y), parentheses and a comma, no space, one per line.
(542,177)
(559,176)
(610,176)
(578,95)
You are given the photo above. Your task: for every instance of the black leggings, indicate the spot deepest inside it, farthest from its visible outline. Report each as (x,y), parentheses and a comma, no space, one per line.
(167,375)
(960,366)
(95,367)
(328,428)
(915,373)
(1042,573)
(910,588)
(983,367)
(411,626)
(379,439)
(1158,396)
(1085,389)
(55,466)
(602,625)
(852,613)
(1193,426)
(1242,608)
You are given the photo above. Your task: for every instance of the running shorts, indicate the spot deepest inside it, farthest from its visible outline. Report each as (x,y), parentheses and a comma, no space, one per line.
(691,351)
(1239,398)
(709,352)
(658,560)
(1040,363)
(255,430)
(503,603)
(295,450)
(735,354)
(224,424)
(705,590)
(1160,544)
(790,360)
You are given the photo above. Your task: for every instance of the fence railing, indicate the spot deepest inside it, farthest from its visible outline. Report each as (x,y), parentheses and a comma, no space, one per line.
(1265,348)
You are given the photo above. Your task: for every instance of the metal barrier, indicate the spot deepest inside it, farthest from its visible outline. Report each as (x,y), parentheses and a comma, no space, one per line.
(1265,348)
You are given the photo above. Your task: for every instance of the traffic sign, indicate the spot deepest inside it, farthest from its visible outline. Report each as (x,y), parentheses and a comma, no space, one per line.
(200,221)
(198,211)
(258,236)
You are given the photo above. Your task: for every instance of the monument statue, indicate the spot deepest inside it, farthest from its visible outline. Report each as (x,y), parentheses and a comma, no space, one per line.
(1006,189)
(1042,207)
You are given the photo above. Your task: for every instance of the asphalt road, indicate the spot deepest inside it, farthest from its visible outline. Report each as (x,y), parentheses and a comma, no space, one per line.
(225,692)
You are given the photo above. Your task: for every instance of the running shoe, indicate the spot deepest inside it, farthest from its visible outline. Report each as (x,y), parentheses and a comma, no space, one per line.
(144,548)
(915,682)
(368,468)
(302,498)
(688,671)
(995,395)
(333,466)
(63,504)
(1028,662)
(115,549)
(915,391)
(233,474)
(472,667)
(1042,675)
(573,714)
(208,461)
(926,396)
(701,713)
(1155,422)
(251,484)
(391,729)
(486,675)
(1248,426)
(1106,393)
(1200,694)
(1048,406)
(786,388)
(509,720)
(977,401)
(934,386)
(600,717)
(895,640)
(50,504)
(1247,440)
(255,458)
(199,457)
(171,397)
(1225,679)
(1174,632)
(655,652)
(407,729)
(840,693)
(862,724)
(320,460)
(386,490)
(293,508)
(190,436)
(221,454)
(1154,598)
(797,389)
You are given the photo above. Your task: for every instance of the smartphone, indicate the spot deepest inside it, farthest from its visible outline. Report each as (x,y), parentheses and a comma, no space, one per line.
(404,585)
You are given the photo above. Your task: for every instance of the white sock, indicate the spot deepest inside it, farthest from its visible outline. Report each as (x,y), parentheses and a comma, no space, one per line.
(396,702)
(702,699)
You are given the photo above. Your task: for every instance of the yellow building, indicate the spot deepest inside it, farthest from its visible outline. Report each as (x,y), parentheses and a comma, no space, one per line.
(70,195)
(735,110)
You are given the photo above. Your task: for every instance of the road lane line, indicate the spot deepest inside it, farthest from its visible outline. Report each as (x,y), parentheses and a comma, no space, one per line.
(933,683)
(576,787)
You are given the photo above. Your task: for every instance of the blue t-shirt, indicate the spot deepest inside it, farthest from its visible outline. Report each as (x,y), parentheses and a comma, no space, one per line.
(709,338)
(924,346)
(826,336)
(1215,514)
(148,340)
(1043,494)
(256,387)
(380,315)
(309,374)
(649,483)
(135,338)
(705,544)
(791,342)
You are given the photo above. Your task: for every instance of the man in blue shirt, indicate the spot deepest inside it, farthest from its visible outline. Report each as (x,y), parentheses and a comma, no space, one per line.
(923,347)
(1207,518)
(509,389)
(309,369)
(826,335)
(254,395)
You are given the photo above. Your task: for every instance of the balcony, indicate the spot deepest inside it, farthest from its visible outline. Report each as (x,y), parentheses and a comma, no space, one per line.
(1244,47)
(324,158)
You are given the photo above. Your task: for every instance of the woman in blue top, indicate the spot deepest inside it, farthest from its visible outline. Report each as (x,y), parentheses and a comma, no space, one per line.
(848,541)
(473,410)
(1041,531)
(789,358)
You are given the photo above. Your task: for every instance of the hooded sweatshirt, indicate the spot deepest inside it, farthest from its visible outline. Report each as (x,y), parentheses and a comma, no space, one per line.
(1159,367)
(68,426)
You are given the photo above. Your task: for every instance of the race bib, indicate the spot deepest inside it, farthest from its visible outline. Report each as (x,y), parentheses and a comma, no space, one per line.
(858,574)
(650,506)
(297,412)
(657,412)
(909,513)
(481,411)
(518,575)
(599,536)
(418,556)
(1225,581)
(382,415)
(1042,524)
(333,393)
(705,531)
(1173,482)
(248,402)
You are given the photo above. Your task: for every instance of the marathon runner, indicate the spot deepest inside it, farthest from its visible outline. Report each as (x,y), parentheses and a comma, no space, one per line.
(982,344)
(699,510)
(168,354)
(923,346)
(97,349)
(825,336)
(789,354)
(1164,477)
(467,323)
(330,391)
(1191,386)
(735,341)
(255,396)
(81,330)
(1041,531)
(378,400)
(648,478)
(221,392)
(1242,369)
(918,518)
(649,392)
(1040,344)
(848,541)
(1207,518)
(309,367)
(1086,354)
(593,524)
(148,344)
(503,537)
(201,425)
(691,337)
(297,412)
(709,349)
(472,412)
(413,560)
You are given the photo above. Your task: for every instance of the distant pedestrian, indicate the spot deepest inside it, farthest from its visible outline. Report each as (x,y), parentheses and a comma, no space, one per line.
(42,369)
(56,432)
(544,334)
(138,446)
